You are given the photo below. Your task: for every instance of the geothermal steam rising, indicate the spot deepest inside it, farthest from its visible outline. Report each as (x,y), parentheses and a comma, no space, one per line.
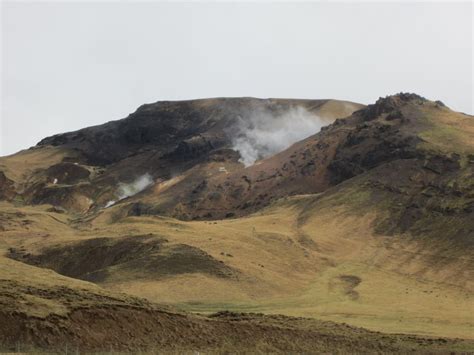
(127,190)
(263,133)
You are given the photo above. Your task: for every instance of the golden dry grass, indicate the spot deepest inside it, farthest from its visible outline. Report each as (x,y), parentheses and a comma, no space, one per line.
(286,267)
(20,166)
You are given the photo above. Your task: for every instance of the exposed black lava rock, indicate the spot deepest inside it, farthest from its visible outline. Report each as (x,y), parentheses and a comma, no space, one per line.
(169,128)
(197,146)
(390,104)
(369,145)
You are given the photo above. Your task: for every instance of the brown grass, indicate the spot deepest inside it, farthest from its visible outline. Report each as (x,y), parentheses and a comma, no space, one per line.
(397,292)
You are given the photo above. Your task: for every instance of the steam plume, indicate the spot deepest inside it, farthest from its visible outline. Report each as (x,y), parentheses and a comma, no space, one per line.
(138,185)
(264,133)
(128,190)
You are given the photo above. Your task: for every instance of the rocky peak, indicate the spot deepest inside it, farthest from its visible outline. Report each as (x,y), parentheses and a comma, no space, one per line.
(391,104)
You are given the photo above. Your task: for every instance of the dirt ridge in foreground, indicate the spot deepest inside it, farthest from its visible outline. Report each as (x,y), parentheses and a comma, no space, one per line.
(84,321)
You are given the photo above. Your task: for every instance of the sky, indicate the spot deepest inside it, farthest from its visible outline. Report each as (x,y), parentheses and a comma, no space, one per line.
(68,65)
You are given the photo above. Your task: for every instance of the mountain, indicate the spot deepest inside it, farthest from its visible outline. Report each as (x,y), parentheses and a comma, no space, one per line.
(321,210)
(397,130)
(80,171)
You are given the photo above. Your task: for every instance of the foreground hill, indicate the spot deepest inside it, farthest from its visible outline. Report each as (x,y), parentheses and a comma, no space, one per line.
(42,310)
(369,222)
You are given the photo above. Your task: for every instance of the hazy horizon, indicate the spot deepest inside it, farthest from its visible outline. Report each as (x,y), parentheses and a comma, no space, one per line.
(67,65)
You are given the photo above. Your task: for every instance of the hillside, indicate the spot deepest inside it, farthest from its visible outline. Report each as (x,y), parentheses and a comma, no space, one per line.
(368,222)
(82,171)
(421,135)
(53,313)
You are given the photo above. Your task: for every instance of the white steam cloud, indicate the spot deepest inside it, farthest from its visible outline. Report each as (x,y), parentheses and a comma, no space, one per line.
(140,184)
(128,190)
(263,133)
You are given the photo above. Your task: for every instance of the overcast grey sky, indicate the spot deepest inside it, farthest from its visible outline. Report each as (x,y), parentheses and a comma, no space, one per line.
(70,65)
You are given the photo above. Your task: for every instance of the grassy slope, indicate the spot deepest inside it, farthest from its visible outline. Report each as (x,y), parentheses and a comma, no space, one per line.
(53,307)
(306,244)
(299,268)
(18,167)
(449,131)
(305,281)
